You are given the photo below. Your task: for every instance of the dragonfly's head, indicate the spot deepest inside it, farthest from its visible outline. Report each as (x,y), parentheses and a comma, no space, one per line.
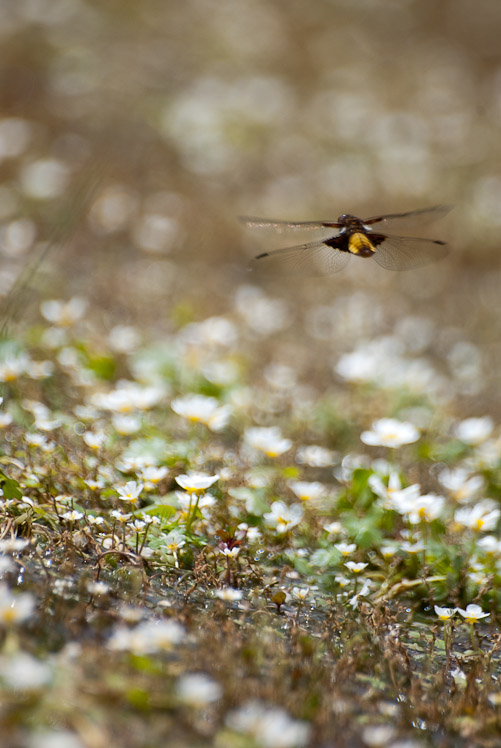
(348,220)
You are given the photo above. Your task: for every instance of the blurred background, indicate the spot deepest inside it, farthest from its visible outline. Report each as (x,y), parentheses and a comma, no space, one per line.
(133,133)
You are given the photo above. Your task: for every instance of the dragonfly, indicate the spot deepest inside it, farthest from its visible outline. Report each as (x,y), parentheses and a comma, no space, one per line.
(359,237)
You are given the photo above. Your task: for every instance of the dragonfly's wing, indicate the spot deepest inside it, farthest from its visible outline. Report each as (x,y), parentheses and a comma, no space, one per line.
(314,258)
(284,226)
(404,253)
(424,215)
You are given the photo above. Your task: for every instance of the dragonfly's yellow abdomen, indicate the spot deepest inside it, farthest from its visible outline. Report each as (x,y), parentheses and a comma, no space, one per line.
(360,244)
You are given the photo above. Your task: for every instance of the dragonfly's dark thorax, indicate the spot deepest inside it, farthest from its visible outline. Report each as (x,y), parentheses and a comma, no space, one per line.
(351,222)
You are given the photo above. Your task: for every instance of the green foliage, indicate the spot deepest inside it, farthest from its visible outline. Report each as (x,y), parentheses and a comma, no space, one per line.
(163,511)
(449,452)
(364,530)
(11,488)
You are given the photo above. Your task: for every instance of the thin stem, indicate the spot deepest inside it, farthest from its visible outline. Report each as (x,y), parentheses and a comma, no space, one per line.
(192,513)
(473,636)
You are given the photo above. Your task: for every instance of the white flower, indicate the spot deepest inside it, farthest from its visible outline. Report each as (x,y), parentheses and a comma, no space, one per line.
(417,508)
(253,534)
(402,500)
(364,591)
(6,565)
(39,369)
(270,727)
(230,552)
(23,672)
(148,637)
(94,439)
(459,677)
(494,698)
(461,487)
(44,178)
(198,690)
(341,580)
(378,736)
(315,456)
(481,517)
(5,420)
(488,453)
(13,366)
(97,521)
(203,409)
(388,432)
(228,594)
(130,491)
(15,608)
(212,332)
(355,568)
(283,517)
(173,541)
(473,613)
(15,136)
(308,490)
(64,313)
(128,397)
(444,613)
(334,528)
(126,423)
(221,372)
(385,491)
(35,440)
(72,516)
(98,588)
(13,545)
(134,464)
(388,550)
(474,430)
(268,440)
(300,593)
(153,475)
(364,364)
(412,547)
(120,516)
(195,482)
(477,573)
(345,549)
(47,424)
(124,338)
(490,545)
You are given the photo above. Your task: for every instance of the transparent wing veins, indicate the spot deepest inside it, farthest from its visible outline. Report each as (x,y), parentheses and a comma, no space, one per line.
(313,258)
(433,213)
(404,253)
(280,226)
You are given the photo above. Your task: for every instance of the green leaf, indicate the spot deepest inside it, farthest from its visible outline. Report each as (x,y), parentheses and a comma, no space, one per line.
(449,452)
(162,511)
(360,489)
(364,531)
(104,367)
(326,558)
(10,487)
(302,565)
(139,698)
